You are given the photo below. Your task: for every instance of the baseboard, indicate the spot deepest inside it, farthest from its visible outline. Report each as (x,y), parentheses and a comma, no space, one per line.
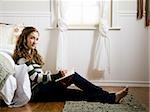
(122,83)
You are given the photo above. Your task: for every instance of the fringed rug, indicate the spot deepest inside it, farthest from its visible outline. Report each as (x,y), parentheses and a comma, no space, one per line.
(128,104)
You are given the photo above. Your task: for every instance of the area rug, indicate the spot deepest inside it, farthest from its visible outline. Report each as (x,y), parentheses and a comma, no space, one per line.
(128,104)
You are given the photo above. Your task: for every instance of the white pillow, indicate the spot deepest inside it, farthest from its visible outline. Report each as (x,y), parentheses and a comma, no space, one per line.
(8,90)
(23,91)
(6,34)
(10,33)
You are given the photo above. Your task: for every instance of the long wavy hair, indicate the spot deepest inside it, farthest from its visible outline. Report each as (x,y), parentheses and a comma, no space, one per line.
(22,50)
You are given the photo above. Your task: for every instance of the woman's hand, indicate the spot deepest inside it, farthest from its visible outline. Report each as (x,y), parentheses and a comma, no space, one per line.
(60,74)
(63,72)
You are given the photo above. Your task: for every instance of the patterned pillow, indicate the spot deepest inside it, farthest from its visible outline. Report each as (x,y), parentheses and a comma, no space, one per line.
(7,66)
(7,80)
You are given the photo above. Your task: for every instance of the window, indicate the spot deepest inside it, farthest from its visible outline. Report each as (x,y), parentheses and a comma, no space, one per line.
(85,12)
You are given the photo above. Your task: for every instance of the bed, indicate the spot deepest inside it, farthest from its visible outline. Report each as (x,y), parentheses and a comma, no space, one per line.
(14,80)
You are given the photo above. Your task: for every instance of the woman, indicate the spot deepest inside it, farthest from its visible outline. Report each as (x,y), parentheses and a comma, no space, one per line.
(43,84)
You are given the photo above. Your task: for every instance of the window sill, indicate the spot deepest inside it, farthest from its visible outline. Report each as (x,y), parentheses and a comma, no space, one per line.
(84,28)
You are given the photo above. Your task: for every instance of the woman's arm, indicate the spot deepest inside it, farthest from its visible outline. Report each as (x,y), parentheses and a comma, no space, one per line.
(36,73)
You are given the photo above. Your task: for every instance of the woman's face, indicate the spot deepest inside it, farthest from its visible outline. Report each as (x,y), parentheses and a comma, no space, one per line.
(32,40)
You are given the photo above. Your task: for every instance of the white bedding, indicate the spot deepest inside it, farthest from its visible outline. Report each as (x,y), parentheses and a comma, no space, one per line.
(23,91)
(8,91)
(16,91)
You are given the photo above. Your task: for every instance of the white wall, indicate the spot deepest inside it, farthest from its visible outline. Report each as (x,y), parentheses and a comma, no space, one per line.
(0,6)
(32,13)
(25,6)
(128,49)
(129,46)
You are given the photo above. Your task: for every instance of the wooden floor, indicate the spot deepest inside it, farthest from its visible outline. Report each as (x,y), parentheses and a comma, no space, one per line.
(140,93)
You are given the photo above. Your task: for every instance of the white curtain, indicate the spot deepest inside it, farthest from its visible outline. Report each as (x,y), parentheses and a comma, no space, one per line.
(58,22)
(101,53)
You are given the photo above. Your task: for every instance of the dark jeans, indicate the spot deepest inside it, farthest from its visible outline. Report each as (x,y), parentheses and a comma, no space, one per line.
(58,91)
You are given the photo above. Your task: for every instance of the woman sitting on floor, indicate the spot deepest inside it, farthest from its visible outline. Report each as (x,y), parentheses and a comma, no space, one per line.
(43,84)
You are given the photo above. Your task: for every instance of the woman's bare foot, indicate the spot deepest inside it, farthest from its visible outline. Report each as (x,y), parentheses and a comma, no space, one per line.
(121,94)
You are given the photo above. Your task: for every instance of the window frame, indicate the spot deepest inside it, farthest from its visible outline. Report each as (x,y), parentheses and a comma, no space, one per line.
(113,19)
